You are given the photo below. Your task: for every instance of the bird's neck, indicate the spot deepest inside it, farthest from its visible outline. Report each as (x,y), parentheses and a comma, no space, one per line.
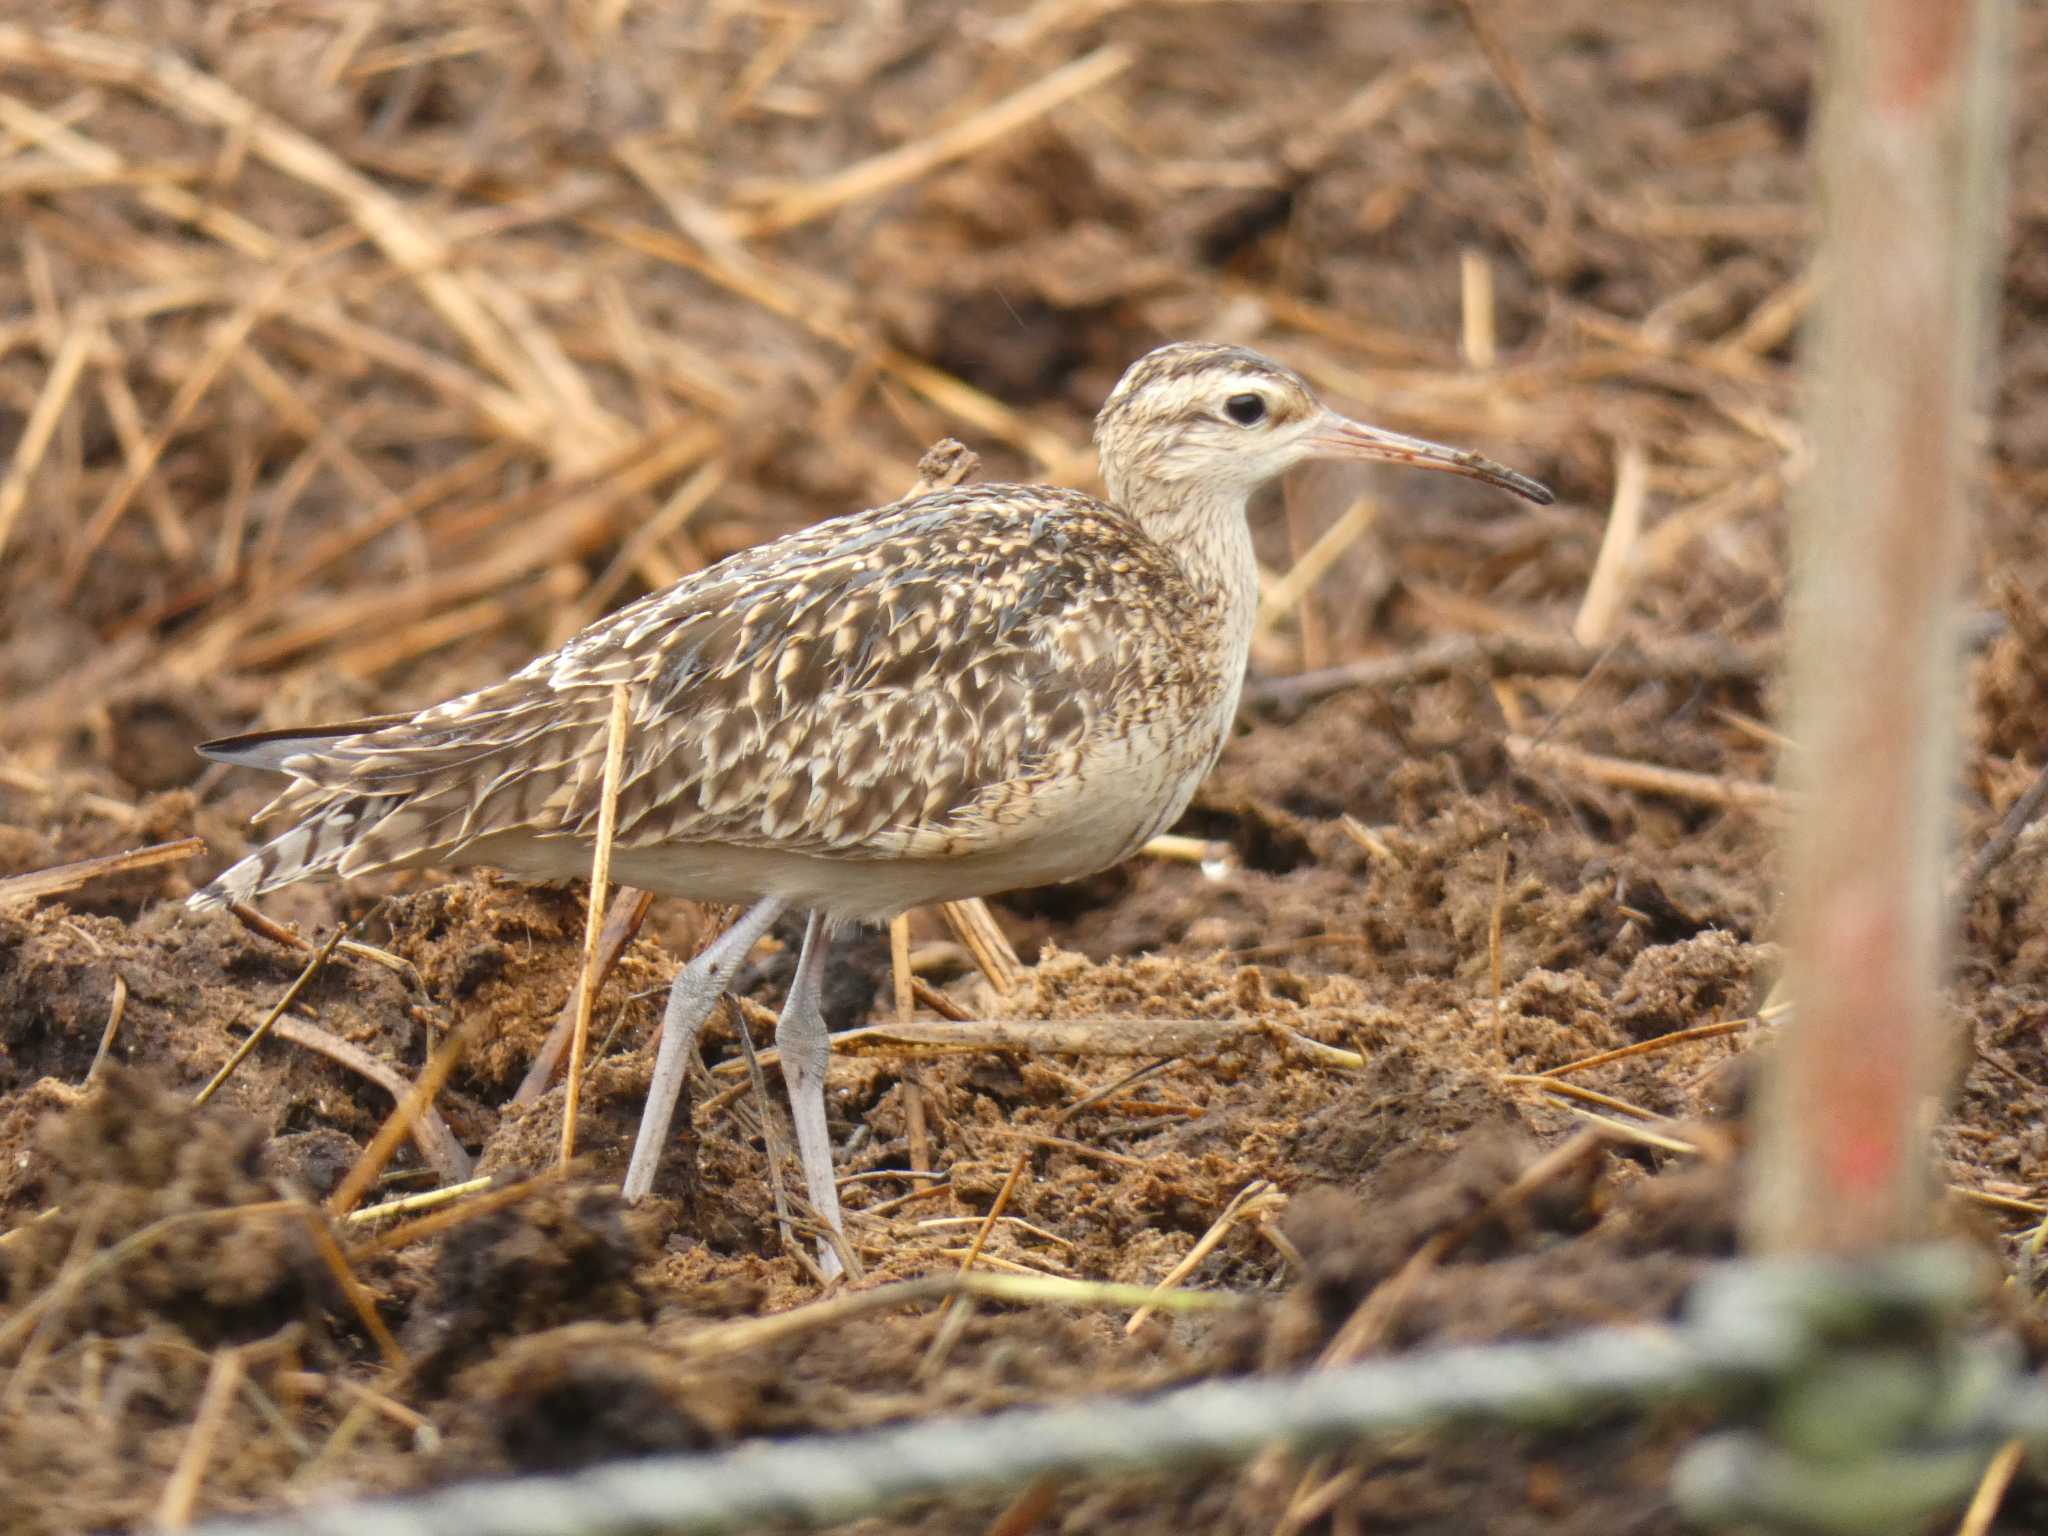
(1204,529)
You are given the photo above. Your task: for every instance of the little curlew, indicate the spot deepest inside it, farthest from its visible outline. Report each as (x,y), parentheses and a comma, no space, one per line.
(967,692)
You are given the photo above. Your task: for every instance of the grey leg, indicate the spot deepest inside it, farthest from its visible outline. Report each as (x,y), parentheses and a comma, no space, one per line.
(800,1040)
(694,993)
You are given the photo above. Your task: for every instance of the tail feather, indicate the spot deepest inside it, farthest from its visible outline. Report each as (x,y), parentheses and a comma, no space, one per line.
(274,749)
(315,846)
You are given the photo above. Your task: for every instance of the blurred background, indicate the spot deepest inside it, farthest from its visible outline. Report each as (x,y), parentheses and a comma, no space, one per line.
(353,352)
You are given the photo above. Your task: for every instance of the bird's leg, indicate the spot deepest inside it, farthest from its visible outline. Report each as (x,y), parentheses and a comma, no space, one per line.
(800,1041)
(691,997)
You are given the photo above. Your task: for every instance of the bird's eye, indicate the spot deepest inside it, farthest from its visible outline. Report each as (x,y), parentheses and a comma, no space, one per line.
(1246,410)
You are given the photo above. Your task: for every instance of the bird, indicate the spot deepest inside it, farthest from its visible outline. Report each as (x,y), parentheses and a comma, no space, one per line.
(971,691)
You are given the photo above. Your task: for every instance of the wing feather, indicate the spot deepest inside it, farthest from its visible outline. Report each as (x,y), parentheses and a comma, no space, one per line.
(866,688)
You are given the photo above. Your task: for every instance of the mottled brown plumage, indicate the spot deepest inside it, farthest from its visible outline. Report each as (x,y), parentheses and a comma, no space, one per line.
(900,684)
(965,692)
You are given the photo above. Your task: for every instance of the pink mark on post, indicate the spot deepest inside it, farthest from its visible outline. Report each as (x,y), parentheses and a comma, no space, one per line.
(1930,38)
(1866,1108)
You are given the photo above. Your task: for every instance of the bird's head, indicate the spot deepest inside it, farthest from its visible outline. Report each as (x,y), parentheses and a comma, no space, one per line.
(1195,421)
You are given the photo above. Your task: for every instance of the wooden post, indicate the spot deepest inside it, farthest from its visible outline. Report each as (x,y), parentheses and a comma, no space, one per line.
(1911,155)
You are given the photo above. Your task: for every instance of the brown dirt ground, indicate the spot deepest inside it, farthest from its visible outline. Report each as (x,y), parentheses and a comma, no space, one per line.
(1304,177)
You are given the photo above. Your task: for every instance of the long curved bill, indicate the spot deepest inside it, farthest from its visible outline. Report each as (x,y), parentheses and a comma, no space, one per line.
(1339,437)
